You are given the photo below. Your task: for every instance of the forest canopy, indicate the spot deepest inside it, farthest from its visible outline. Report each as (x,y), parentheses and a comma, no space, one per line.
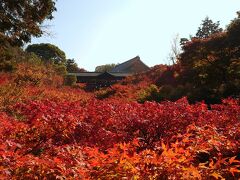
(20,20)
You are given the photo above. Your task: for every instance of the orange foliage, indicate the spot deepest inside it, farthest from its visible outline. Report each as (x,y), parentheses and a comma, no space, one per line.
(66,133)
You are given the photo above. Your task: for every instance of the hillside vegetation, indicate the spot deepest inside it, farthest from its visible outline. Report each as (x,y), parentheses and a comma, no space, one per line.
(208,68)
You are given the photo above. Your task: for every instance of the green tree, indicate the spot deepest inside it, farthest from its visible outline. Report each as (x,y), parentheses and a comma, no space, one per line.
(72,66)
(211,65)
(233,29)
(48,52)
(21,19)
(149,94)
(70,80)
(207,28)
(183,41)
(104,68)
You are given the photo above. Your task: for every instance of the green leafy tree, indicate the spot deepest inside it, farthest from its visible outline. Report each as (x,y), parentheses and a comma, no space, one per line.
(70,80)
(72,66)
(149,94)
(183,41)
(21,19)
(105,68)
(48,52)
(233,29)
(207,28)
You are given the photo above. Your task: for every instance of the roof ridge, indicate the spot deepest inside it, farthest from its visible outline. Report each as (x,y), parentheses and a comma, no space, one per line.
(137,58)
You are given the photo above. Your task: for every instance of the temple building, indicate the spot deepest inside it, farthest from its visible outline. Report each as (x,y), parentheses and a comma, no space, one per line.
(119,72)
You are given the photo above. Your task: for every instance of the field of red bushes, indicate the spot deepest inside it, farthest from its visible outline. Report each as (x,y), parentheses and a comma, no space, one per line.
(170,122)
(66,133)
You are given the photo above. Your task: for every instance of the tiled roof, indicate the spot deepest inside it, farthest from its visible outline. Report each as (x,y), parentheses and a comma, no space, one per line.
(134,65)
(120,74)
(86,74)
(95,74)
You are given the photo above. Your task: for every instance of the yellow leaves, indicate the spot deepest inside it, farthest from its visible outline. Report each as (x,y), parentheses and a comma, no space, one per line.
(167,153)
(170,153)
(217,176)
(135,177)
(191,172)
(129,167)
(203,165)
(187,153)
(211,164)
(182,159)
(150,157)
(164,147)
(123,146)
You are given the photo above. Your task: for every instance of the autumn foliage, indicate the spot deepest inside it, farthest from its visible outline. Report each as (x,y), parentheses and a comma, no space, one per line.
(51,131)
(154,125)
(86,138)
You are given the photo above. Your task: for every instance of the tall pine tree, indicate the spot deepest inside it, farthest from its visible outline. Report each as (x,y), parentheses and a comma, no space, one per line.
(207,28)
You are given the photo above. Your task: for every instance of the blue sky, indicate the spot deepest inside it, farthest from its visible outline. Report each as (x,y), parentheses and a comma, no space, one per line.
(96,32)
